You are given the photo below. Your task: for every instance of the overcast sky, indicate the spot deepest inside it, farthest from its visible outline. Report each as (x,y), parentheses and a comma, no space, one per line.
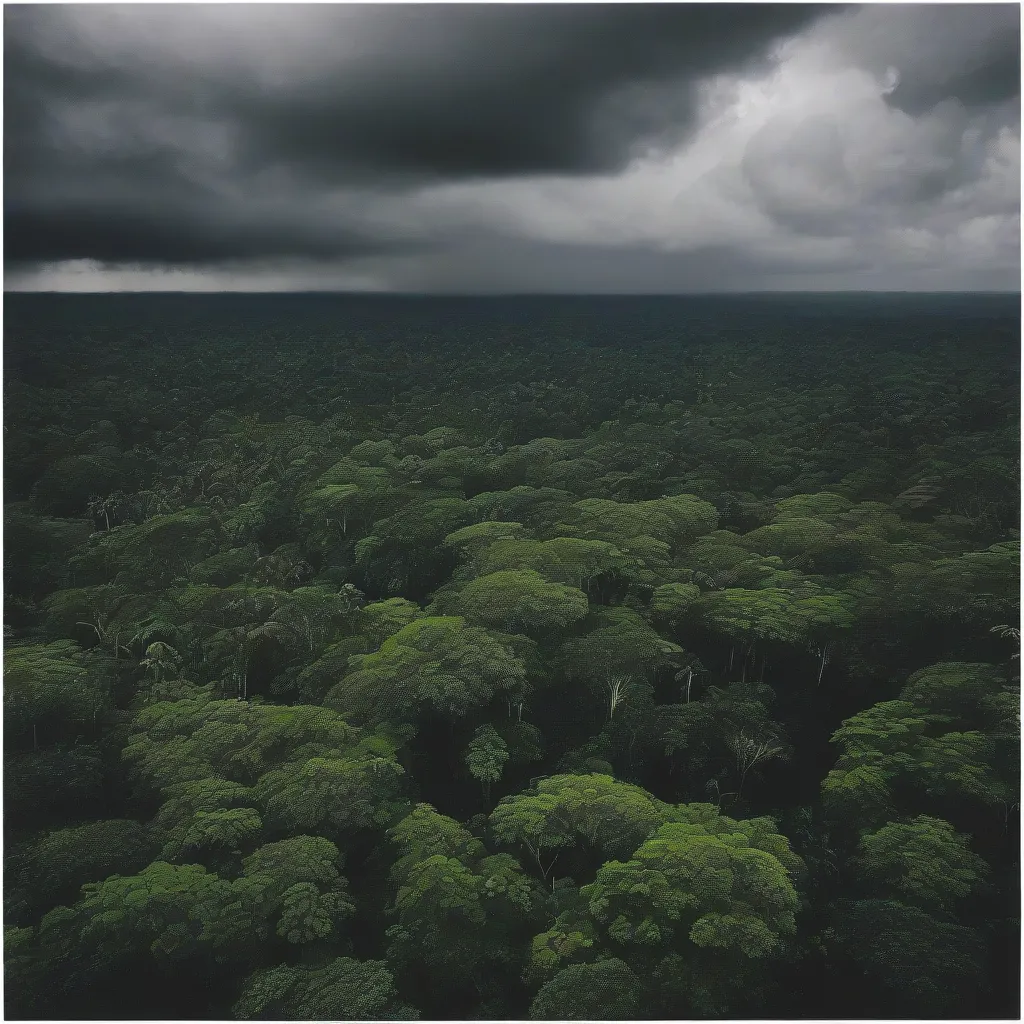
(579,148)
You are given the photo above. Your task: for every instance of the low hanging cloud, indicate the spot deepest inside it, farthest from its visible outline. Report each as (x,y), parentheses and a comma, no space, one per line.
(512,148)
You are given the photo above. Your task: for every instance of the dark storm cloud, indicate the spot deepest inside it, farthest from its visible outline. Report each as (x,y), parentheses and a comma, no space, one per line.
(515,146)
(995,80)
(964,52)
(120,233)
(425,93)
(432,90)
(512,90)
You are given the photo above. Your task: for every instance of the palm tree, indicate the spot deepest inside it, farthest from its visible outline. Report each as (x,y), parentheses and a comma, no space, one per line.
(749,752)
(1012,632)
(687,672)
(161,661)
(243,640)
(107,635)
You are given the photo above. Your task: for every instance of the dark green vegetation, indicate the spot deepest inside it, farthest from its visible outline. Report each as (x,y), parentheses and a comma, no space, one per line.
(511,658)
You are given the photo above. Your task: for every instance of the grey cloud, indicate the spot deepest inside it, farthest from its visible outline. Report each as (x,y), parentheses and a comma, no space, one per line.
(116,232)
(419,92)
(489,264)
(436,144)
(967,52)
(526,91)
(799,175)
(420,89)
(816,174)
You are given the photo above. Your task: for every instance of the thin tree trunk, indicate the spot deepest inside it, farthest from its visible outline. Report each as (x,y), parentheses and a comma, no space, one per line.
(535,851)
(824,660)
(476,984)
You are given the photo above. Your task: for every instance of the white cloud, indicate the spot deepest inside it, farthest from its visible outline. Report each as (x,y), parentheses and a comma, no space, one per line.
(92,276)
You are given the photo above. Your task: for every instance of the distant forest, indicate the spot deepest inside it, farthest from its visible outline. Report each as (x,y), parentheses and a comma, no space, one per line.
(507,658)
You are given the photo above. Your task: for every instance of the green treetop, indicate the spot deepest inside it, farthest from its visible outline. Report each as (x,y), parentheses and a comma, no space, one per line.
(344,989)
(438,662)
(923,862)
(520,600)
(603,817)
(486,757)
(604,990)
(53,692)
(947,738)
(463,914)
(707,893)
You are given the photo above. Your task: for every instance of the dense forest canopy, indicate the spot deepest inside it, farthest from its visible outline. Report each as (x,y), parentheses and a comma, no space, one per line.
(383,657)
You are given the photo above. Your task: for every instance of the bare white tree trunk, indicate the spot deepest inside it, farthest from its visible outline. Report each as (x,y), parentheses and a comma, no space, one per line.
(617,687)
(825,653)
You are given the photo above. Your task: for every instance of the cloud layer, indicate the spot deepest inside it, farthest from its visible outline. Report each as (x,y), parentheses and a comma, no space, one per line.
(512,148)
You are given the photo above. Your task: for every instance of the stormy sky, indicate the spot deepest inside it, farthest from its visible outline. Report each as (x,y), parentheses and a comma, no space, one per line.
(482,148)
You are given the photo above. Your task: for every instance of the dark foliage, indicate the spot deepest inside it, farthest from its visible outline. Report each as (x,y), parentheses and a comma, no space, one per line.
(395,658)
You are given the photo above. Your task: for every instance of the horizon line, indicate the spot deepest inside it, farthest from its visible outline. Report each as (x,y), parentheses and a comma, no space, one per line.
(515,294)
